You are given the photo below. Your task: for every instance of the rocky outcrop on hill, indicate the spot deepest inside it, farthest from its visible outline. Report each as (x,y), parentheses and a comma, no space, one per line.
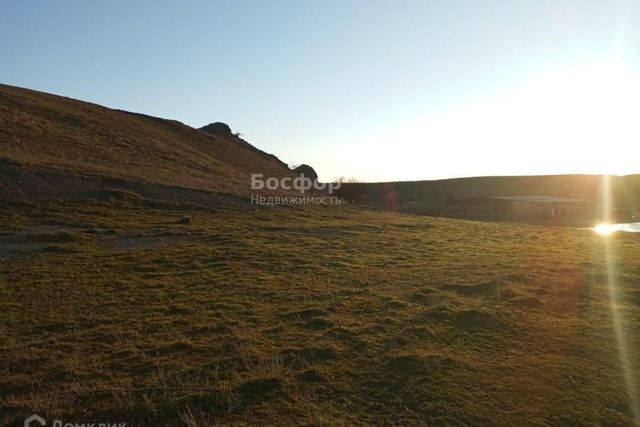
(307,171)
(217,128)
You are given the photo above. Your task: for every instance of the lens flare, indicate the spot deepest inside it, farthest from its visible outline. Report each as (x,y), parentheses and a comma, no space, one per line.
(618,320)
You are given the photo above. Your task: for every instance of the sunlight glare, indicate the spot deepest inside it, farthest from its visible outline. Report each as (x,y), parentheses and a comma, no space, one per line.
(605,229)
(546,124)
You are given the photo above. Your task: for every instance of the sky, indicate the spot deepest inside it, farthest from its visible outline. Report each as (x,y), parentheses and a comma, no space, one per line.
(372,90)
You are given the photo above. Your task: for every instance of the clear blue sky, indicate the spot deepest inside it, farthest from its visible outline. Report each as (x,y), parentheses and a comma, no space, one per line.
(380,90)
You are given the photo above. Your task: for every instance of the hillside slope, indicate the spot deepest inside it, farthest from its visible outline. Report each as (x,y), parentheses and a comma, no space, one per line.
(40,131)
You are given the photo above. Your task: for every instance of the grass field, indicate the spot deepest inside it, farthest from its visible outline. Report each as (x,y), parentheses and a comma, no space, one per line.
(315,316)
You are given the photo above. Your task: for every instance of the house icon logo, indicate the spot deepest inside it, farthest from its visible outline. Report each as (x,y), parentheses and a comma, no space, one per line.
(34,421)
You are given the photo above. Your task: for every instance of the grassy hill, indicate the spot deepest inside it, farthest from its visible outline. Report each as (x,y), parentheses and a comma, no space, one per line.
(83,140)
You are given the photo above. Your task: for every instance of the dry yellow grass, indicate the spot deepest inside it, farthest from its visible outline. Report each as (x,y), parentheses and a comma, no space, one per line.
(318,316)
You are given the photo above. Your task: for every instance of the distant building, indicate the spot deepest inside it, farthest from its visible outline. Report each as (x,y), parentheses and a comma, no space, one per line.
(537,209)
